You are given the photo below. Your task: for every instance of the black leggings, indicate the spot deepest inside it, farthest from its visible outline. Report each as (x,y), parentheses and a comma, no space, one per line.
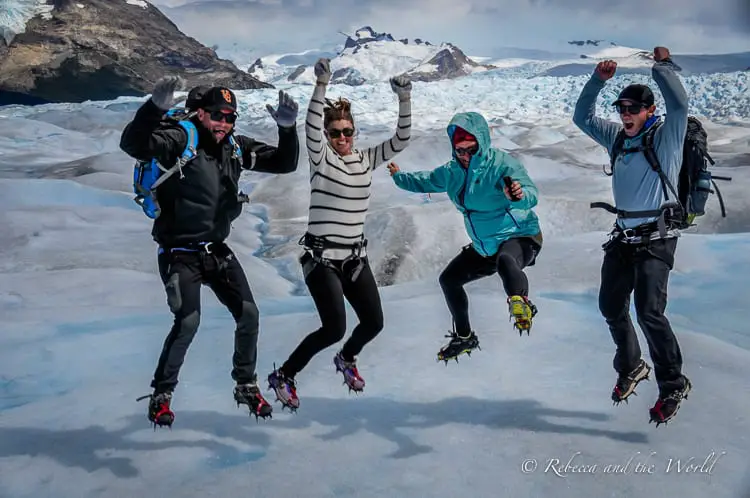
(509,261)
(328,287)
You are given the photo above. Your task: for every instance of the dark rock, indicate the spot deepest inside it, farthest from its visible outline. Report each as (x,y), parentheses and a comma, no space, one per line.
(104,50)
(295,74)
(451,63)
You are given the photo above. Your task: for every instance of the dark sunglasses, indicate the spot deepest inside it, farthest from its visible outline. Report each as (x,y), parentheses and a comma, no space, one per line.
(336,133)
(460,151)
(631,109)
(223,116)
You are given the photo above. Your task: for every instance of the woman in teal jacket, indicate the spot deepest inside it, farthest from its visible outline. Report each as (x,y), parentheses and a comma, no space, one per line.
(494,193)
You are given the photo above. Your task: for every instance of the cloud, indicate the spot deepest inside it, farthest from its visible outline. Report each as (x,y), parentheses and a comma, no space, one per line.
(478,26)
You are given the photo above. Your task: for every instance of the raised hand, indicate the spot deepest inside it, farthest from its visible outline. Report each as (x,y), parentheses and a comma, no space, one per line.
(401,85)
(285,114)
(163,94)
(661,53)
(323,70)
(606,69)
(392,168)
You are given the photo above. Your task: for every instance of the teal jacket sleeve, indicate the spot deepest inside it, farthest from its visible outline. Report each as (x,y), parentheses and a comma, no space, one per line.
(423,182)
(516,170)
(603,132)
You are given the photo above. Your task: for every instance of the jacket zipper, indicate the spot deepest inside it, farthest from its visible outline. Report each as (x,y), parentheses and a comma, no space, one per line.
(461,198)
(507,210)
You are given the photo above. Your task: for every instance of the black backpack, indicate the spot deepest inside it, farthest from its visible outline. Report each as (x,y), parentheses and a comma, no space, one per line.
(694,181)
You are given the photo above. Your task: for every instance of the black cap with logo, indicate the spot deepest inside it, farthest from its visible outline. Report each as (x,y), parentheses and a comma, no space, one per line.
(219,98)
(640,94)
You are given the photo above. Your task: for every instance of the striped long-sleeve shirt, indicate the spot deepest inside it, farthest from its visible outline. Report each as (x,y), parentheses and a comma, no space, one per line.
(340,186)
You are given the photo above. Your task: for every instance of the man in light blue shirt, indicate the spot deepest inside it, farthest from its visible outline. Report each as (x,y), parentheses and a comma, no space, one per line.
(641,255)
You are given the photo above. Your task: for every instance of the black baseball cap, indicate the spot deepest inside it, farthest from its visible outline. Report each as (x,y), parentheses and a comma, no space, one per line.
(195,96)
(219,98)
(640,94)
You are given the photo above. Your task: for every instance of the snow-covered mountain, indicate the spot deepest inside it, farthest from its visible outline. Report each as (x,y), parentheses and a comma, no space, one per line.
(368,55)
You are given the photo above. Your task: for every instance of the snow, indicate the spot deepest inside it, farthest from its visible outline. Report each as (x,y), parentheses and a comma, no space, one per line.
(378,60)
(139,3)
(15,14)
(84,317)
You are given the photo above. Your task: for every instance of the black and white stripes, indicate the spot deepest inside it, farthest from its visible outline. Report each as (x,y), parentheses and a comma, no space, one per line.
(340,186)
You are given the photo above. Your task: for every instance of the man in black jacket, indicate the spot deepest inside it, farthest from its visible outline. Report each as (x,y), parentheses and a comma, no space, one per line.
(198,205)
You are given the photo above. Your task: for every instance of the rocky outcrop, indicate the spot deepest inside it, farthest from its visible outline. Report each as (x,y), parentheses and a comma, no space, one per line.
(448,63)
(103,49)
(258,64)
(295,74)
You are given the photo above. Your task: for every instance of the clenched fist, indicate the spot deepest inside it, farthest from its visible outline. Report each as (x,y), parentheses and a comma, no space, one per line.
(323,71)
(606,69)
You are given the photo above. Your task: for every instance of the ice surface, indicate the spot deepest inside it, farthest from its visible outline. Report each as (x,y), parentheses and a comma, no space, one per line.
(84,316)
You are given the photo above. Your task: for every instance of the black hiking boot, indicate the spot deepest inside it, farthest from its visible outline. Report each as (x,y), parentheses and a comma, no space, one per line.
(249,394)
(626,384)
(159,412)
(457,346)
(668,404)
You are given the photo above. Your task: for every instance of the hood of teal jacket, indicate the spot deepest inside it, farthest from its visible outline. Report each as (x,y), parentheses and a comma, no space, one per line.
(474,123)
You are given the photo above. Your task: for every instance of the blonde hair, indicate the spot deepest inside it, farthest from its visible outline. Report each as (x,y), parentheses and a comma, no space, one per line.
(336,110)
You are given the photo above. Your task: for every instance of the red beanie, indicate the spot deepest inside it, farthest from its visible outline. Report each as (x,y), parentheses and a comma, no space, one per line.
(461,135)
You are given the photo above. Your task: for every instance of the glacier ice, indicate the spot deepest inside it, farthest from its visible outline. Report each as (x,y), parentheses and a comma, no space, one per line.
(14,14)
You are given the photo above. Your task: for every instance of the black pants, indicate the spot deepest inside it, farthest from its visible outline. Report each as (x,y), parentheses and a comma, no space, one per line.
(328,286)
(644,271)
(183,273)
(509,261)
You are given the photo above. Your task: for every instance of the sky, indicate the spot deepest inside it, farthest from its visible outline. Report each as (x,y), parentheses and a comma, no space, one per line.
(477,26)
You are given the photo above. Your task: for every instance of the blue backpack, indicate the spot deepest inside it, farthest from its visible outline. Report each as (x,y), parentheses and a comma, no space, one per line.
(148,175)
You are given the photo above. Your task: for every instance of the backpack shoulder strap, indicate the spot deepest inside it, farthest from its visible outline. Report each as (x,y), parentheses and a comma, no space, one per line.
(237,154)
(616,151)
(192,140)
(190,151)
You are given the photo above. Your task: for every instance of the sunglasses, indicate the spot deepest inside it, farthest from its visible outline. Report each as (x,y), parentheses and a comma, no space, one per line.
(631,108)
(336,133)
(223,116)
(461,151)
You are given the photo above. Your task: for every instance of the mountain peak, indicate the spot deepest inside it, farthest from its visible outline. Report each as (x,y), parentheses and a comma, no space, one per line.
(365,35)
(592,43)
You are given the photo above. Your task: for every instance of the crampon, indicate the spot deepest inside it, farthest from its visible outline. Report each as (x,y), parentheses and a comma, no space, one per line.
(352,379)
(522,312)
(159,411)
(666,407)
(625,386)
(249,395)
(285,390)
(457,346)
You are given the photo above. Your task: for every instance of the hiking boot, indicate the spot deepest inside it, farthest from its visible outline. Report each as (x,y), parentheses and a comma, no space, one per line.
(457,346)
(286,392)
(668,404)
(626,384)
(352,379)
(249,394)
(522,311)
(159,411)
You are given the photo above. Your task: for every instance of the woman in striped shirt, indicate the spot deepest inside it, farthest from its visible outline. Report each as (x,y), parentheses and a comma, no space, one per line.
(335,263)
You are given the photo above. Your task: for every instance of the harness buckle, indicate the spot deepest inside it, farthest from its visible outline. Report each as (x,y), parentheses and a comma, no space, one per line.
(207,247)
